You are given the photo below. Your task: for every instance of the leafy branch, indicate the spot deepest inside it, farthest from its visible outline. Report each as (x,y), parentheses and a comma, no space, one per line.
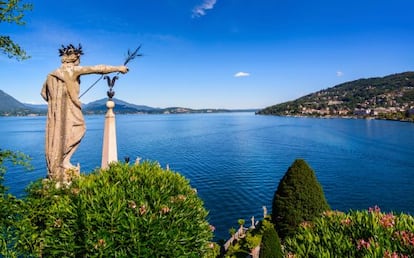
(12,11)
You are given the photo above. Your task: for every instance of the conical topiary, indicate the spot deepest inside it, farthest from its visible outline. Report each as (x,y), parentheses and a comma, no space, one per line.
(299,197)
(270,246)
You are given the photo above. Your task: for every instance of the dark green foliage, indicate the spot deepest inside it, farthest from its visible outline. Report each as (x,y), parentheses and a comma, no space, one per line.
(124,211)
(299,197)
(49,222)
(9,212)
(270,246)
(10,207)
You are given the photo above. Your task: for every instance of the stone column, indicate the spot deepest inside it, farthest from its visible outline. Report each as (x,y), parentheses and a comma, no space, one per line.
(109,150)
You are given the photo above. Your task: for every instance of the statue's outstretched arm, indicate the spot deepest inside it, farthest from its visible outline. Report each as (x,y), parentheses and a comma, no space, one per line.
(100,69)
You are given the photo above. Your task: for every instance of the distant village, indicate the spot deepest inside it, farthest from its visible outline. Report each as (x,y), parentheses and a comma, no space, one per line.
(390,97)
(384,106)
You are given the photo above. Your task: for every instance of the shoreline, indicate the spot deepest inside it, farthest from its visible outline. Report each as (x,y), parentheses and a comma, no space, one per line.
(339,117)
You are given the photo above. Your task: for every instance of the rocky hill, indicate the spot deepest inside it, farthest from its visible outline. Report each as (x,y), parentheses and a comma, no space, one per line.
(389,97)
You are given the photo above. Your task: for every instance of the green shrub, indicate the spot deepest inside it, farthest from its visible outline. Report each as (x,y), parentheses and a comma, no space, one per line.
(354,234)
(124,211)
(270,246)
(49,223)
(263,235)
(299,197)
(14,157)
(9,213)
(10,206)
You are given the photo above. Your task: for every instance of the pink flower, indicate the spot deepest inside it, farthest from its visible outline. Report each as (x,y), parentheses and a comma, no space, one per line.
(165,210)
(407,238)
(212,228)
(346,222)
(181,197)
(142,210)
(306,224)
(132,204)
(101,243)
(330,213)
(388,220)
(58,223)
(387,254)
(75,191)
(361,243)
(374,209)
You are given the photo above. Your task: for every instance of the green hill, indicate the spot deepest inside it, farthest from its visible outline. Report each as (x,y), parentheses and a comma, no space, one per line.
(9,103)
(121,107)
(11,106)
(389,97)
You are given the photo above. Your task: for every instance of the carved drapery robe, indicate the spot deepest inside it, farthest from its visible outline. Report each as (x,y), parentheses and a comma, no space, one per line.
(65,126)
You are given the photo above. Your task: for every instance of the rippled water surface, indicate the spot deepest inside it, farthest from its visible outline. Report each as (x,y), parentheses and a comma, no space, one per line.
(236,160)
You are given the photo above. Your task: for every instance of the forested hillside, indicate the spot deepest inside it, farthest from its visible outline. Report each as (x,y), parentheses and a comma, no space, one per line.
(9,105)
(389,97)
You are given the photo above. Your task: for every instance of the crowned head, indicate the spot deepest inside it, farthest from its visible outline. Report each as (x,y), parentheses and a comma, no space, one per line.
(70,53)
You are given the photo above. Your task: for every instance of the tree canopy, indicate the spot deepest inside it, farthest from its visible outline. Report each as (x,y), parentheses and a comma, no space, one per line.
(12,11)
(298,198)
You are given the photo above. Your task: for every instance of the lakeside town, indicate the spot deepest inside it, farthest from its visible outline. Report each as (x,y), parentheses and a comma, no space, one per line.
(390,97)
(383,106)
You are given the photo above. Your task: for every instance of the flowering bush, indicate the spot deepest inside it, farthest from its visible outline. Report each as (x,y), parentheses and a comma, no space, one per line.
(124,211)
(369,233)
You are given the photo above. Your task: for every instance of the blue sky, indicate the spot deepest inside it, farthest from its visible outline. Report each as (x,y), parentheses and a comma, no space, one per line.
(214,53)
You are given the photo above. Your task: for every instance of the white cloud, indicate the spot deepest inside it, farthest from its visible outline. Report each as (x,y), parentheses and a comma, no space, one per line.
(200,10)
(241,74)
(339,74)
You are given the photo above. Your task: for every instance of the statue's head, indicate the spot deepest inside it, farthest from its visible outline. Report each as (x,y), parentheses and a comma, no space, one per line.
(70,53)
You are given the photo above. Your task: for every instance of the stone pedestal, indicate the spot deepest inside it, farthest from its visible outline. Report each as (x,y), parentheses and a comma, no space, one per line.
(109,150)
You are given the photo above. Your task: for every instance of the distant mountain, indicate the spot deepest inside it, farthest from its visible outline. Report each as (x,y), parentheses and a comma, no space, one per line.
(121,107)
(180,110)
(389,97)
(8,103)
(11,106)
(38,107)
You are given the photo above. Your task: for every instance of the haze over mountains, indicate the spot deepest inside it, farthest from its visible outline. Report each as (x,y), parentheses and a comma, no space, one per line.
(389,97)
(10,106)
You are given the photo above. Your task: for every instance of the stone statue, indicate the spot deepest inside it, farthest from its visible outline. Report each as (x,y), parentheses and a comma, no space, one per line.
(65,126)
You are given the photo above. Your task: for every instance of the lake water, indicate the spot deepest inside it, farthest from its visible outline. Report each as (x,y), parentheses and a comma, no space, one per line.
(236,160)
